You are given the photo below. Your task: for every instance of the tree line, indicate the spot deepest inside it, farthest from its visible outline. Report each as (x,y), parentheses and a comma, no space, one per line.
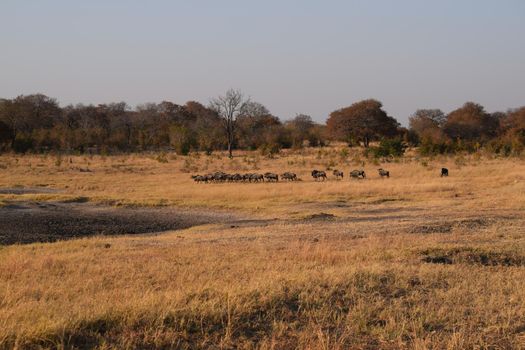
(468,128)
(37,123)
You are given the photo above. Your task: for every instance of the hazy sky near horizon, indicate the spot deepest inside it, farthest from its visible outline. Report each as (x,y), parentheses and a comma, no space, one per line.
(308,57)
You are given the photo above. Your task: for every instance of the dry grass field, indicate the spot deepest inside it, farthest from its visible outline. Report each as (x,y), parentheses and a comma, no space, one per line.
(415,261)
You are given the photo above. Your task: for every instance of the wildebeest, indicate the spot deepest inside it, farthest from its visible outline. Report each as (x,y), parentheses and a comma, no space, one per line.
(256,177)
(444,172)
(219,176)
(289,176)
(338,174)
(357,174)
(199,178)
(318,174)
(271,177)
(383,172)
(235,177)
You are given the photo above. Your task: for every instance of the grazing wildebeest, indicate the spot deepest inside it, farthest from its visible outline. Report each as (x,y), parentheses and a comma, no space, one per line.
(236,177)
(357,174)
(289,176)
(271,177)
(199,178)
(338,174)
(219,176)
(256,177)
(383,172)
(444,172)
(318,174)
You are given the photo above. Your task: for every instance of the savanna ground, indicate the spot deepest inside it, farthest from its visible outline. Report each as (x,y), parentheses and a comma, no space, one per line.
(415,261)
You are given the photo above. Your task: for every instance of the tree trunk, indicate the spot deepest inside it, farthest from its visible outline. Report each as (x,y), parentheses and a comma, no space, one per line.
(229,130)
(13,139)
(230,149)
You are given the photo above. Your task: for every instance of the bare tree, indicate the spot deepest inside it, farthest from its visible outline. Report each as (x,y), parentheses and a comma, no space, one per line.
(229,107)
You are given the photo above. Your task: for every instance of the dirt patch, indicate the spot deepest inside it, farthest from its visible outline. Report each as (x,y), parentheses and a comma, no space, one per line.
(250,223)
(320,216)
(314,205)
(76,200)
(448,226)
(28,222)
(27,190)
(472,256)
(474,224)
(443,227)
(386,200)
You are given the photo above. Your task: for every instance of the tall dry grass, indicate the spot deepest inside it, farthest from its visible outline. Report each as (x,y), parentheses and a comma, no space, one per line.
(416,261)
(143,180)
(323,286)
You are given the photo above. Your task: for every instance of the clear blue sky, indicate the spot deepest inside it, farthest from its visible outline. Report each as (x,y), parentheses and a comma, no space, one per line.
(293,56)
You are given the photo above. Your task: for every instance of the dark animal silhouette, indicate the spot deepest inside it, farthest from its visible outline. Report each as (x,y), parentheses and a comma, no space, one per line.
(318,175)
(199,178)
(236,177)
(221,177)
(444,172)
(257,177)
(289,176)
(358,174)
(383,172)
(338,174)
(271,177)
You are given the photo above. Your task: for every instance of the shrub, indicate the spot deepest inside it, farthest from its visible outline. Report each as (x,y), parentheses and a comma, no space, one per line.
(22,144)
(343,154)
(460,161)
(270,150)
(430,148)
(162,158)
(388,147)
(58,160)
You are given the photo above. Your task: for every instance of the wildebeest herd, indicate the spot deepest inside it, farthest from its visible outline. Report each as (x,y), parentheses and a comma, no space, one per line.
(220,176)
(317,175)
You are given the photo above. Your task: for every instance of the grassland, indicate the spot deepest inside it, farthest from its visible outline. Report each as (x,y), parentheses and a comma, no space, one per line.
(415,261)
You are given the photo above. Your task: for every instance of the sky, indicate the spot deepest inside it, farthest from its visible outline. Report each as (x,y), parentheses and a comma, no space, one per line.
(309,57)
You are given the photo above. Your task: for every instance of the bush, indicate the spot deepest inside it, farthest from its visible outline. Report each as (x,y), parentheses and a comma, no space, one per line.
(429,148)
(505,147)
(388,147)
(58,160)
(269,150)
(23,144)
(343,154)
(162,158)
